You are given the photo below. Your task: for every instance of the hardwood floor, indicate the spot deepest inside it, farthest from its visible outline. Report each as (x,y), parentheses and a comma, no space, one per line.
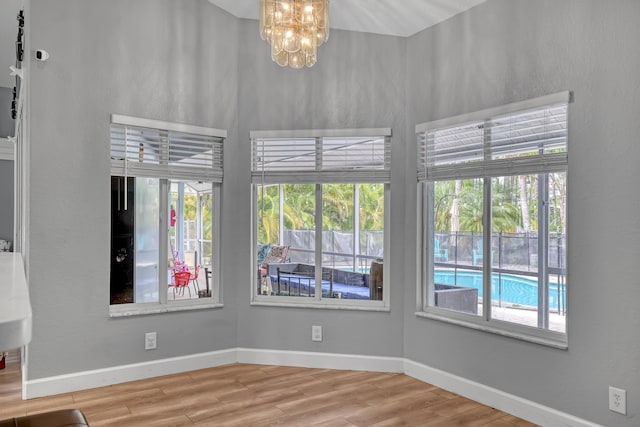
(246,395)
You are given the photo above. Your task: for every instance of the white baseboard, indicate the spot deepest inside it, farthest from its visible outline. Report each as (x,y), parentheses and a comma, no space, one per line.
(119,374)
(514,405)
(353,362)
(486,395)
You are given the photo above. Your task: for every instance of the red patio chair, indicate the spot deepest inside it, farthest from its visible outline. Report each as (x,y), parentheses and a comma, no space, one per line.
(181,280)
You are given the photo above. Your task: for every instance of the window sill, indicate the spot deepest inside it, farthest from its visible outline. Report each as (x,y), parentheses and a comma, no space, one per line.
(379,306)
(542,337)
(127,310)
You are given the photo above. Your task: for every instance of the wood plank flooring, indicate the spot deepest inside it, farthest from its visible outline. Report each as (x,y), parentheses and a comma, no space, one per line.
(259,395)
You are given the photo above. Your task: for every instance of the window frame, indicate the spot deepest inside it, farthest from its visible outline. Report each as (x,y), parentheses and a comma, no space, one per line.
(164,305)
(317,302)
(426,228)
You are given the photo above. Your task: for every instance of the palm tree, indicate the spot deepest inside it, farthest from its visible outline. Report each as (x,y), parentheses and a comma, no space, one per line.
(471,209)
(443,196)
(505,217)
(524,204)
(337,207)
(558,199)
(268,214)
(299,206)
(371,206)
(454,212)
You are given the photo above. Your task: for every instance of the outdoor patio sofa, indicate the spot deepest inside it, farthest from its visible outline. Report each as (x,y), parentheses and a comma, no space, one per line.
(458,298)
(299,279)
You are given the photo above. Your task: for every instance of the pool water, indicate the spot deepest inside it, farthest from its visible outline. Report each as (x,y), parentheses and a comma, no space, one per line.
(504,287)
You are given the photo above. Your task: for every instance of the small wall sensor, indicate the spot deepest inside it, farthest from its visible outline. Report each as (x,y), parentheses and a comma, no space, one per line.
(42,55)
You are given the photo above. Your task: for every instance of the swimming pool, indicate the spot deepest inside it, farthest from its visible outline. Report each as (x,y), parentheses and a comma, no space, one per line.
(504,287)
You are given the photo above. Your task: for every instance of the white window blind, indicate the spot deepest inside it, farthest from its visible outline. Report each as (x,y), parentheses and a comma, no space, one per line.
(162,152)
(321,159)
(527,138)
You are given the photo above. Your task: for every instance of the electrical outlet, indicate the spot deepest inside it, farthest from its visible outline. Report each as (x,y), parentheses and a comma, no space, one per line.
(618,400)
(150,341)
(316,333)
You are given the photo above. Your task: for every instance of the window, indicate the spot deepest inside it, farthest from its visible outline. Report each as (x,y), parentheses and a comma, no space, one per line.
(165,192)
(320,214)
(493,223)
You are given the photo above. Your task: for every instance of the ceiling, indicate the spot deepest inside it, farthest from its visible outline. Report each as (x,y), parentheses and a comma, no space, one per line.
(392,17)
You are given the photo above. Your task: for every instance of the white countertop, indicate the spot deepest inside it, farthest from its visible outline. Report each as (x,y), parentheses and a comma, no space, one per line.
(15,306)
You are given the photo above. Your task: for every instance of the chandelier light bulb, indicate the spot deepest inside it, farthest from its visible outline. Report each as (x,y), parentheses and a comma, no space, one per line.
(294,29)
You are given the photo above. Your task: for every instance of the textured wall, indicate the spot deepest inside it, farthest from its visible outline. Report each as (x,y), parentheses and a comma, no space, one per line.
(6,200)
(6,122)
(191,62)
(358,82)
(169,60)
(505,51)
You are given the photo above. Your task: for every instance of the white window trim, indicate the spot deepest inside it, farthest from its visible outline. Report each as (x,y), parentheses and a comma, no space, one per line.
(507,329)
(164,305)
(560,97)
(423,308)
(320,133)
(126,310)
(160,124)
(317,302)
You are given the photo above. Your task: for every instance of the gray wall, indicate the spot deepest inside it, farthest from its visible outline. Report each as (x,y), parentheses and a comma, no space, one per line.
(505,51)
(6,200)
(358,82)
(181,61)
(169,60)
(6,122)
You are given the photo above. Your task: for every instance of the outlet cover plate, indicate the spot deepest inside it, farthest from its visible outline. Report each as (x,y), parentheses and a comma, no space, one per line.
(150,341)
(618,400)
(316,333)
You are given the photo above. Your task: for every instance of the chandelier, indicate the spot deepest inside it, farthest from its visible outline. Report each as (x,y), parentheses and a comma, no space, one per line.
(294,29)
